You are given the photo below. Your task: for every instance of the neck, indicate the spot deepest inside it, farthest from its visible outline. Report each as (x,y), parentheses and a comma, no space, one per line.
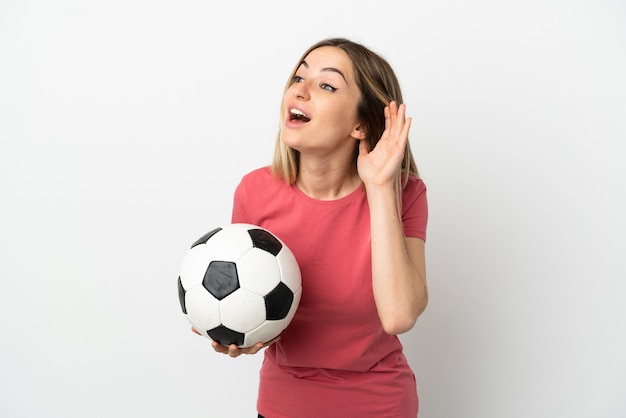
(323,181)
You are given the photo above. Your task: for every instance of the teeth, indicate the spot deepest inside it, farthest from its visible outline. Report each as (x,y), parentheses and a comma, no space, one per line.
(296,112)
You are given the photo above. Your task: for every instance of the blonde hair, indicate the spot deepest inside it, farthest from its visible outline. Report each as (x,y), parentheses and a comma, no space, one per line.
(379,86)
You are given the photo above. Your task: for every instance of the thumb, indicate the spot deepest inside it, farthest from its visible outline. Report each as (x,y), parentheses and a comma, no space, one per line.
(363,148)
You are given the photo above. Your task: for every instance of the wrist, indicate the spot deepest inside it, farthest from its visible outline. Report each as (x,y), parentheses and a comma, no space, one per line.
(382,196)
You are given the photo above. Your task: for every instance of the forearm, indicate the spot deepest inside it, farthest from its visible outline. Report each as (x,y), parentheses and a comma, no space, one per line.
(398,268)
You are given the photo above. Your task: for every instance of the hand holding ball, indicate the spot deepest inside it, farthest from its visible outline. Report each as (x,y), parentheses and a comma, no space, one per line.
(239,284)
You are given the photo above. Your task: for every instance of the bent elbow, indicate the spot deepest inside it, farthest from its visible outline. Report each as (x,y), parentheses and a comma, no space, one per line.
(403,322)
(398,327)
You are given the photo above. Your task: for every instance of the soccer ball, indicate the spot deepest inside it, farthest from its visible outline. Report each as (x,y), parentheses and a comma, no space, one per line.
(239,284)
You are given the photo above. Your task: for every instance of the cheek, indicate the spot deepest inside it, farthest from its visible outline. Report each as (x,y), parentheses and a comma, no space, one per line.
(344,120)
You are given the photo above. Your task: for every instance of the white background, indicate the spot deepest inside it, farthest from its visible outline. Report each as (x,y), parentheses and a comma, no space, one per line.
(126,125)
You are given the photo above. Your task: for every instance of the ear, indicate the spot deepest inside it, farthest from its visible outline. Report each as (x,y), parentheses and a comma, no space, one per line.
(358,133)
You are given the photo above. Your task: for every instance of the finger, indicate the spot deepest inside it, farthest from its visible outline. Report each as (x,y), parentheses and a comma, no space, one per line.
(404,135)
(219,348)
(270,342)
(407,127)
(195,331)
(400,120)
(363,148)
(402,112)
(233,350)
(397,120)
(256,348)
(393,115)
(259,346)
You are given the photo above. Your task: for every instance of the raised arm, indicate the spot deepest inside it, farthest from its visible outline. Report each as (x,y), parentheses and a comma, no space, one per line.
(398,263)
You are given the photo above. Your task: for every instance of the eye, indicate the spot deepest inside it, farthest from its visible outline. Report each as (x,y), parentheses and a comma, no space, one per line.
(297,79)
(328,87)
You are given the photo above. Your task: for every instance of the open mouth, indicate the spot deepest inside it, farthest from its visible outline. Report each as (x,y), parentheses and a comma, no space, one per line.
(296,115)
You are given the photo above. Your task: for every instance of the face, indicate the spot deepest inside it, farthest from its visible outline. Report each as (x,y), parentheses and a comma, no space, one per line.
(319,110)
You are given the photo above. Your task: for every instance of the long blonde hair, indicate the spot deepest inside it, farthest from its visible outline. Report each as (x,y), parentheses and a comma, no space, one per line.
(379,86)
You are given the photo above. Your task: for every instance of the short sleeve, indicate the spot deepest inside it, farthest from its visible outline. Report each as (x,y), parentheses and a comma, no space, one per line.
(415,209)
(239,206)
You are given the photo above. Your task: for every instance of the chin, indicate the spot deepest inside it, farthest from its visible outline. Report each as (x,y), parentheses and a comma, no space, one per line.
(290,139)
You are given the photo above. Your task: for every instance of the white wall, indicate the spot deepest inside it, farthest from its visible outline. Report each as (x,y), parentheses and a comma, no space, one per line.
(125,126)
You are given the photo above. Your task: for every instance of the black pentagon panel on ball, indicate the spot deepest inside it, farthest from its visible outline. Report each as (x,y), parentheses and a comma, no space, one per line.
(204,238)
(278,302)
(181,296)
(226,336)
(265,241)
(221,279)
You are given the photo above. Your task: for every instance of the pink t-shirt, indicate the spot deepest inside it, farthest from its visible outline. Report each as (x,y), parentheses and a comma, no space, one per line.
(334,359)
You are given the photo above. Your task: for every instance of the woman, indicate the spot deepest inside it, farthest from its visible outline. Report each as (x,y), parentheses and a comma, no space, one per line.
(344,194)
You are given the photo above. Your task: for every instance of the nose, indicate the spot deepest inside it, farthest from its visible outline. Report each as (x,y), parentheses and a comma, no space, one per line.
(300,90)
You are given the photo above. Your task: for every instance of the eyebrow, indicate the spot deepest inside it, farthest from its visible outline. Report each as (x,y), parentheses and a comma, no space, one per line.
(327,69)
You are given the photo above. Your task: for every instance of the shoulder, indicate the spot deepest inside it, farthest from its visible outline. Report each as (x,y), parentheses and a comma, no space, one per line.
(416,182)
(258,193)
(260,179)
(257,175)
(414,188)
(414,199)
